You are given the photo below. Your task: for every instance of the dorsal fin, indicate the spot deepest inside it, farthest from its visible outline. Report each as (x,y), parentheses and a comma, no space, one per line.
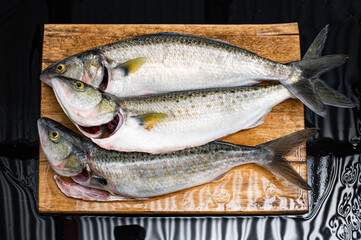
(169,34)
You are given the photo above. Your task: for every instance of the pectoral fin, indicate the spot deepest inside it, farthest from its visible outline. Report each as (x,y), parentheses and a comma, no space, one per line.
(148,120)
(102,182)
(132,66)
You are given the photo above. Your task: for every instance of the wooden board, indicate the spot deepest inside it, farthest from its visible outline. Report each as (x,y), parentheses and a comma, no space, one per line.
(247,189)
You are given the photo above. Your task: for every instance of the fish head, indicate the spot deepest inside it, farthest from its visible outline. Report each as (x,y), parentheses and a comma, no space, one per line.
(64,149)
(84,104)
(87,67)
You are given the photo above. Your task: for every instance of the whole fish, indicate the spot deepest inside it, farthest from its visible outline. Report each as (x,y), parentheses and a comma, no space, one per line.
(172,121)
(136,176)
(167,62)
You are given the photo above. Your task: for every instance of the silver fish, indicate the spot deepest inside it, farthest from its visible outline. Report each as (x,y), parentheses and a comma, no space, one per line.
(137,176)
(167,62)
(168,122)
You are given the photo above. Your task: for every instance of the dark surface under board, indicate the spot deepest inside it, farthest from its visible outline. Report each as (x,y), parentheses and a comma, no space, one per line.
(334,165)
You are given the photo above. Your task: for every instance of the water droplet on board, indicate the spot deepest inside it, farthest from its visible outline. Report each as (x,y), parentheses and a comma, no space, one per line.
(221,197)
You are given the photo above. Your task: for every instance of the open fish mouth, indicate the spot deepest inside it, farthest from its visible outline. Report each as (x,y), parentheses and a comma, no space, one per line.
(105,130)
(46,78)
(95,130)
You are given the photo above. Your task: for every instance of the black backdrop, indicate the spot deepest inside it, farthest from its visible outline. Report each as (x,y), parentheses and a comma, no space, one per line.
(334,167)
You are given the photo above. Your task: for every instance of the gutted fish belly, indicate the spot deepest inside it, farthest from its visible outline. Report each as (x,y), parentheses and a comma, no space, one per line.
(166,62)
(139,176)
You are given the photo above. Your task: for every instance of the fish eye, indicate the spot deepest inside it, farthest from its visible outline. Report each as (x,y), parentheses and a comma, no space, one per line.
(60,68)
(79,85)
(54,135)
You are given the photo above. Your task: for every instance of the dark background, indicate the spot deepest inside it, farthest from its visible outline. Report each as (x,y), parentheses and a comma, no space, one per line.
(334,166)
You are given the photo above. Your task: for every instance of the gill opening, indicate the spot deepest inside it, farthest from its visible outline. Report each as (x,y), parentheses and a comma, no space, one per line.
(112,125)
(104,83)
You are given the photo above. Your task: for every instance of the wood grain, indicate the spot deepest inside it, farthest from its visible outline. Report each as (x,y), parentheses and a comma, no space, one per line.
(248,189)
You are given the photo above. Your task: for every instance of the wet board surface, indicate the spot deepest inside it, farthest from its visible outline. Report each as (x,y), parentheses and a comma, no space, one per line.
(248,189)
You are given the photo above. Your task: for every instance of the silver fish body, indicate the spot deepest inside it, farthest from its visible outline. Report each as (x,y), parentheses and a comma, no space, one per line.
(143,175)
(167,62)
(177,62)
(190,118)
(172,62)
(172,121)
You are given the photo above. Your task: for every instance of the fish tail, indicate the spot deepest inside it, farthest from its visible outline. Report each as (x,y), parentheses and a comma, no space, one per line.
(281,147)
(316,47)
(330,96)
(312,91)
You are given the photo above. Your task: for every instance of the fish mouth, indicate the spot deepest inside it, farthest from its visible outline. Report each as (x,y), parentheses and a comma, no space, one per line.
(95,130)
(47,74)
(60,89)
(46,78)
(105,130)
(59,166)
(42,133)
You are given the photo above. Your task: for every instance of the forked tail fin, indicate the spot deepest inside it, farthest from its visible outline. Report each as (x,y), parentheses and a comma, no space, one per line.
(281,147)
(330,96)
(308,87)
(315,50)
(304,87)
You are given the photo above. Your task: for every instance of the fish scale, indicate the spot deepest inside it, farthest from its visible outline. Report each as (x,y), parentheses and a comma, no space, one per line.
(191,118)
(142,175)
(166,62)
(161,123)
(173,62)
(138,174)
(177,59)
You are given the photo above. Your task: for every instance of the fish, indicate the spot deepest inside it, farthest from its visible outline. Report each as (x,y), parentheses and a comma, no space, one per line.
(104,175)
(167,62)
(168,122)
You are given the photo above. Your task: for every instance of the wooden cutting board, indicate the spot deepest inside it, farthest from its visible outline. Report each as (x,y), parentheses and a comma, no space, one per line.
(248,189)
